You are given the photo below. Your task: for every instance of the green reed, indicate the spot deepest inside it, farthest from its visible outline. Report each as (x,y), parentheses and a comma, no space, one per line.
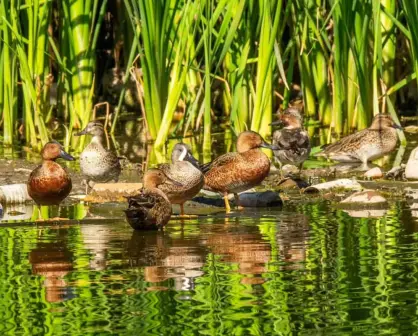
(206,64)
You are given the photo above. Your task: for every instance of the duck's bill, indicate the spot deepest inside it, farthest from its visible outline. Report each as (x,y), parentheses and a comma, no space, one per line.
(192,160)
(269,146)
(64,155)
(83,132)
(396,126)
(277,122)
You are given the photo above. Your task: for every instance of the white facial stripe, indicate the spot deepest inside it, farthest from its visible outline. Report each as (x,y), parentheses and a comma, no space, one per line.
(183,154)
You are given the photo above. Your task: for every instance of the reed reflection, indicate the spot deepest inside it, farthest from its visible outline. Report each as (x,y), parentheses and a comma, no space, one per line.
(292,238)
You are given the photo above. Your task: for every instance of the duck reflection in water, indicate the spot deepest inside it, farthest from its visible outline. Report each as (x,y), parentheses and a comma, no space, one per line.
(164,257)
(241,244)
(292,239)
(53,261)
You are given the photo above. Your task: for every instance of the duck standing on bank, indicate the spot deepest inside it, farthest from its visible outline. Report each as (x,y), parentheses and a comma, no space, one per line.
(49,183)
(292,140)
(366,145)
(151,208)
(184,169)
(238,171)
(97,163)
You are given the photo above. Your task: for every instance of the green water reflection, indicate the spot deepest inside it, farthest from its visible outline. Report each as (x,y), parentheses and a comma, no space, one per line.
(306,269)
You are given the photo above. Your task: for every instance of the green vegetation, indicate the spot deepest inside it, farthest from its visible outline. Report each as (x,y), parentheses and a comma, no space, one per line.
(197,66)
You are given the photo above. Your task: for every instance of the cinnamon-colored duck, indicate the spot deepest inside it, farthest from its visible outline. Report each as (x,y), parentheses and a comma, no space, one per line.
(238,171)
(49,183)
(150,209)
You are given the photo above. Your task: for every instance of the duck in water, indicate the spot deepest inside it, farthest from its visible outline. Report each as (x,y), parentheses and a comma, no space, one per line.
(97,163)
(366,145)
(50,183)
(184,169)
(292,140)
(238,171)
(151,208)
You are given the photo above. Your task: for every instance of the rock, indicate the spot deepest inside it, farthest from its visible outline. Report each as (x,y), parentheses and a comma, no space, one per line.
(348,184)
(260,199)
(289,170)
(247,199)
(112,192)
(411,129)
(411,170)
(374,173)
(14,193)
(292,183)
(365,197)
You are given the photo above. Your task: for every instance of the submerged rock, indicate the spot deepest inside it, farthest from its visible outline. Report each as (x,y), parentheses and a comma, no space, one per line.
(366,213)
(365,197)
(411,170)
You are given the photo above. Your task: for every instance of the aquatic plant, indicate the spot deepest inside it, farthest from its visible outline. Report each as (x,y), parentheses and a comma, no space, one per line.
(205,65)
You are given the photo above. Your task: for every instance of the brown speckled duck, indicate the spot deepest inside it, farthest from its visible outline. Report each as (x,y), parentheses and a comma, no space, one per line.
(366,145)
(238,171)
(184,169)
(97,163)
(49,183)
(292,140)
(150,209)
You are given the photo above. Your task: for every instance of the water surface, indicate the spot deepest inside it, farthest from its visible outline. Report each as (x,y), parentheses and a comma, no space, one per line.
(303,269)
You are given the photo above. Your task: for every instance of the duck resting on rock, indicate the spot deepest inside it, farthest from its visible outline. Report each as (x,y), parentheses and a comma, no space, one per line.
(97,163)
(150,209)
(367,145)
(292,140)
(184,169)
(50,183)
(238,171)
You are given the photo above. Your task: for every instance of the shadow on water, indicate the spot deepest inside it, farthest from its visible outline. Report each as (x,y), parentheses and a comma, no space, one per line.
(305,268)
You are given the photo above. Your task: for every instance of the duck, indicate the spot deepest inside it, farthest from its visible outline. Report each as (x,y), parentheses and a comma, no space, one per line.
(97,163)
(150,209)
(292,140)
(367,145)
(185,170)
(50,183)
(238,171)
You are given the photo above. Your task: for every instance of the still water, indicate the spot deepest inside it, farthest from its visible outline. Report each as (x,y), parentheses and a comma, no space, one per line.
(302,269)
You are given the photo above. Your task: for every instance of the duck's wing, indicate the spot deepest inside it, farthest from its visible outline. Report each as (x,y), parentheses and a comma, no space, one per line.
(294,139)
(219,161)
(142,200)
(345,145)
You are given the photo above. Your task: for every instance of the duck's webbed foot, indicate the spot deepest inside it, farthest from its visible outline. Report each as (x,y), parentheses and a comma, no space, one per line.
(183,215)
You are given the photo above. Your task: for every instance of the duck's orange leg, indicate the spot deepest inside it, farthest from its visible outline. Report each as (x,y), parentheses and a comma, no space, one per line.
(183,215)
(227,206)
